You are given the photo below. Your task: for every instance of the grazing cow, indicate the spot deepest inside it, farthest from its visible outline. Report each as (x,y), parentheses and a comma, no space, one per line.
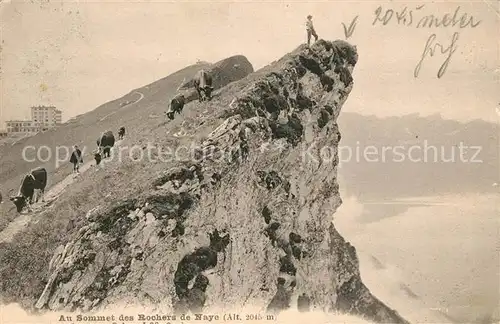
(203,85)
(121,133)
(176,106)
(36,179)
(105,142)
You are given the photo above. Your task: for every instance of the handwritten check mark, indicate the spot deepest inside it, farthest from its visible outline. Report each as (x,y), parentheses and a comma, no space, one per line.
(348,31)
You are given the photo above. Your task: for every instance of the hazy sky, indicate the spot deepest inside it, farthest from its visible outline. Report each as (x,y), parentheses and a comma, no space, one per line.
(81,54)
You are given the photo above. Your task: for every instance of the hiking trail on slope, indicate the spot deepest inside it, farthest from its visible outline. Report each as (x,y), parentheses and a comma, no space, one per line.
(125,106)
(20,222)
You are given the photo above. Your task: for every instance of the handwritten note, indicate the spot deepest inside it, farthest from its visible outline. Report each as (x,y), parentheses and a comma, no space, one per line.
(407,17)
(415,17)
(430,49)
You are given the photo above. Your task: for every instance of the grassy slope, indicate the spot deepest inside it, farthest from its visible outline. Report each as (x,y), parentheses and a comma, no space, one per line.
(24,262)
(84,130)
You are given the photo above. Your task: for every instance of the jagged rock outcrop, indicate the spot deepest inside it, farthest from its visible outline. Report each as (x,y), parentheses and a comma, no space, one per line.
(247,222)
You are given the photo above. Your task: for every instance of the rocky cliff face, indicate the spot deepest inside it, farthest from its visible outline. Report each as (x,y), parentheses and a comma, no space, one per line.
(246,221)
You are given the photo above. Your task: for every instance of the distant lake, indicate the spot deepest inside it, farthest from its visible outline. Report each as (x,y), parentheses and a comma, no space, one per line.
(445,249)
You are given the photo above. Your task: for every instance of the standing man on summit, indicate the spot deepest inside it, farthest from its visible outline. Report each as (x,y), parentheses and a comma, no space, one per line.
(310,30)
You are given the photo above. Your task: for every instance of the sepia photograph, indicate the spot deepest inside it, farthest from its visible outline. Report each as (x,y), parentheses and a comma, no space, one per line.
(244,161)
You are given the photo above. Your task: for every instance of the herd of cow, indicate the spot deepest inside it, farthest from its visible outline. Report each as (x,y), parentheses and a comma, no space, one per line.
(36,179)
(203,85)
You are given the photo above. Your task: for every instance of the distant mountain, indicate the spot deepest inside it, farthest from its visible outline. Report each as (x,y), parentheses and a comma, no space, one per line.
(422,156)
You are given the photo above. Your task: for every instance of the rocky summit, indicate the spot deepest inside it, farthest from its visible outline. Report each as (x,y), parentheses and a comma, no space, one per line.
(247,220)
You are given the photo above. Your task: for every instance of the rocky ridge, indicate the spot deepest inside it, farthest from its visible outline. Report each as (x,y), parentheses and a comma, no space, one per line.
(248,221)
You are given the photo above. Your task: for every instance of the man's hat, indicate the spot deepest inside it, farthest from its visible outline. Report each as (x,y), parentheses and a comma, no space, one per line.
(309,16)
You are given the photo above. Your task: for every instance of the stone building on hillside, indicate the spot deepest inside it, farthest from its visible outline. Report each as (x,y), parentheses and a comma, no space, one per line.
(42,118)
(22,127)
(48,117)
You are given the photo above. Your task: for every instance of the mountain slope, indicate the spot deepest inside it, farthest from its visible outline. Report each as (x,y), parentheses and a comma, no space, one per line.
(137,110)
(242,220)
(24,261)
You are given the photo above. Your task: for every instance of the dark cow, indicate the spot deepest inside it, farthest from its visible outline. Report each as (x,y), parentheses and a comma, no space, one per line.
(176,106)
(121,133)
(35,180)
(105,142)
(203,85)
